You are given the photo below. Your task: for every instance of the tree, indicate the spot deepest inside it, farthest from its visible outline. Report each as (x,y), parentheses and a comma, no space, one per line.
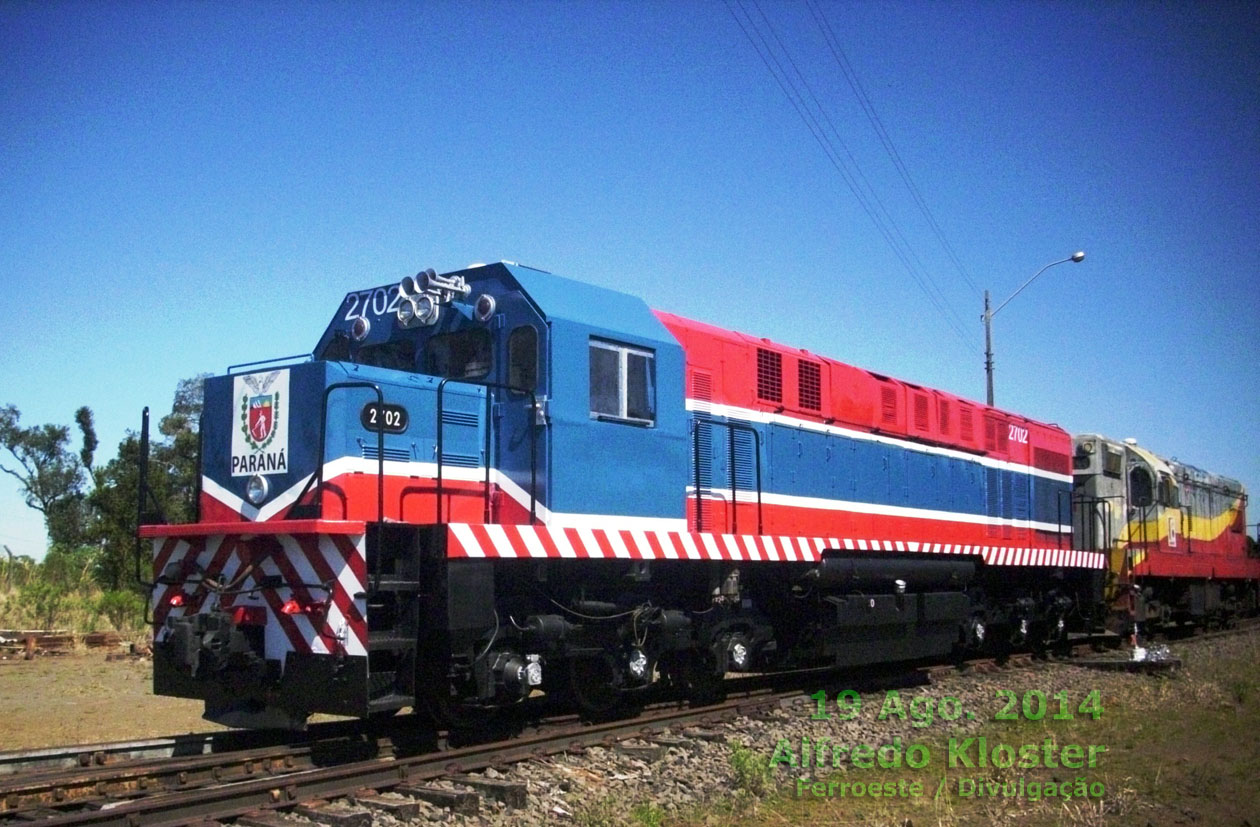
(178,454)
(51,475)
(172,481)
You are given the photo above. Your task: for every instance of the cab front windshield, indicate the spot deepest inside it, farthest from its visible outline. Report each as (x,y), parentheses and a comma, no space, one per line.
(464,354)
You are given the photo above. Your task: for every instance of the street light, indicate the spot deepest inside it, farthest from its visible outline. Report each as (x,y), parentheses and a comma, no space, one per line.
(989,314)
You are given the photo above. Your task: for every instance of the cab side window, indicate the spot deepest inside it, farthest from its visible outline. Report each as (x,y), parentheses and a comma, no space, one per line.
(623,383)
(1141,487)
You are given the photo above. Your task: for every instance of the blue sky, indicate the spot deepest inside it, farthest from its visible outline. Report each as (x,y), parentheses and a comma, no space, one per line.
(187,186)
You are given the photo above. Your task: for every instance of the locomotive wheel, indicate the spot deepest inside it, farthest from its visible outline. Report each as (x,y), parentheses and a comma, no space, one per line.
(586,685)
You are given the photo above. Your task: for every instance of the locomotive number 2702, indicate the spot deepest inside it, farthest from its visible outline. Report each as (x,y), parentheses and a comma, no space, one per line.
(378,302)
(389,418)
(1018,434)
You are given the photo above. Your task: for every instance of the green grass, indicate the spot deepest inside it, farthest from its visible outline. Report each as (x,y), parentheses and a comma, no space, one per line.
(1180,750)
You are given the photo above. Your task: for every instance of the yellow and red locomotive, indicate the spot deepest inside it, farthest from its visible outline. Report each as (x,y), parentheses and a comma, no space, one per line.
(1175,535)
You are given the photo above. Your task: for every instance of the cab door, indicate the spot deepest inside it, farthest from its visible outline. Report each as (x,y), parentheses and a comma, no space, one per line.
(520,412)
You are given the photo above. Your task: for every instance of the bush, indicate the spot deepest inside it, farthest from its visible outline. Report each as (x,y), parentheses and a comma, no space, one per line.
(123,609)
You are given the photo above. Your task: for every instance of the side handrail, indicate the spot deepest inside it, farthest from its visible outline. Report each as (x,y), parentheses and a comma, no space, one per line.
(533,444)
(306,356)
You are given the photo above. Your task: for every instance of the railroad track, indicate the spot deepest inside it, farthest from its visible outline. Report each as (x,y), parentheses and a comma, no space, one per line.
(178,780)
(227,786)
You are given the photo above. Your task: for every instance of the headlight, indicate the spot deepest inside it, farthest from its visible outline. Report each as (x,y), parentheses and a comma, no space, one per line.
(360,328)
(426,309)
(406,312)
(256,489)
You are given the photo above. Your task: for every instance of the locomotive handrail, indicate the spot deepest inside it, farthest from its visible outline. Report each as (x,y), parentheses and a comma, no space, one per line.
(273,360)
(319,467)
(142,493)
(1090,537)
(533,445)
(731,427)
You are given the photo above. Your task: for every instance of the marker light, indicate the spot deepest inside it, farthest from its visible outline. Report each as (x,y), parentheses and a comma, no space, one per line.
(484,308)
(293,607)
(360,329)
(256,489)
(176,599)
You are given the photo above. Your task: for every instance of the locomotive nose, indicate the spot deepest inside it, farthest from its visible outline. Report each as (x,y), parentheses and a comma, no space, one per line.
(259,434)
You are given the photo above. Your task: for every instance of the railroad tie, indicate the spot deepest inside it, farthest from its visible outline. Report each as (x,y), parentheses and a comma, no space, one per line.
(511,793)
(463,802)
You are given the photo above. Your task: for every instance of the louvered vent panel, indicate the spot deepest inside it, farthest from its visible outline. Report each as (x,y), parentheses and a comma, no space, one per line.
(966,427)
(1003,436)
(920,412)
(990,434)
(703,454)
(704,435)
(391,454)
(942,409)
(769,375)
(464,418)
(993,496)
(888,396)
(745,462)
(809,383)
(701,386)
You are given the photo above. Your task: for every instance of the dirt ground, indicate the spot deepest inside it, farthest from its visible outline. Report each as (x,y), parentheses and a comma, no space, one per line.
(81,698)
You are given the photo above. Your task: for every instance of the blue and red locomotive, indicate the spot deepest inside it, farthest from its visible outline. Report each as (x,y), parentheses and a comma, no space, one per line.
(498,480)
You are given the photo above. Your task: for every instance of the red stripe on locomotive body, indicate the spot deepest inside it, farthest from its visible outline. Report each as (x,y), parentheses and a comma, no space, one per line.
(1199,564)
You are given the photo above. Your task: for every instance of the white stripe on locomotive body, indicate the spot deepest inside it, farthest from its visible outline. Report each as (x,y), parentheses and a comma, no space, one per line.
(641,539)
(561,539)
(400,469)
(532,544)
(749,547)
(463,533)
(689,544)
(748,415)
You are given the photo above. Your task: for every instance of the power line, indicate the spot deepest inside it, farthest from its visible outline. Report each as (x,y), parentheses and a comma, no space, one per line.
(918,270)
(857,183)
(855,84)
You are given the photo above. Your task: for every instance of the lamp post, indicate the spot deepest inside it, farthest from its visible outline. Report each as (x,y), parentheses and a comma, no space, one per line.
(989,314)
